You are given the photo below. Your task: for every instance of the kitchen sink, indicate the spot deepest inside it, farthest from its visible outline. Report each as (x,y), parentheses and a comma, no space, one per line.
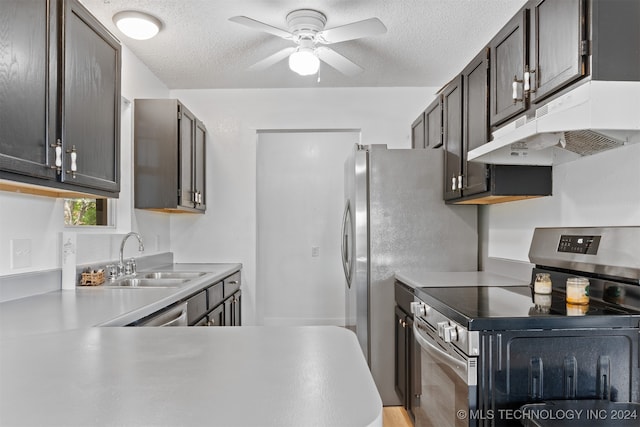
(131,283)
(168,275)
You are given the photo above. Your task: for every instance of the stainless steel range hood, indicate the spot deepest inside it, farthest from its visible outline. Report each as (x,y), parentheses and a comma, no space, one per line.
(594,117)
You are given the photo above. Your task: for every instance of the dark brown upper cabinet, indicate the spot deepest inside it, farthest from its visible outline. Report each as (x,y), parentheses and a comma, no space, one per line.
(466,127)
(433,124)
(426,129)
(509,59)
(28,87)
(551,44)
(452,138)
(170,155)
(90,126)
(475,80)
(559,46)
(418,138)
(60,113)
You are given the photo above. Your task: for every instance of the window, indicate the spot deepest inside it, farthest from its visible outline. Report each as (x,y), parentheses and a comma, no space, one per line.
(86,212)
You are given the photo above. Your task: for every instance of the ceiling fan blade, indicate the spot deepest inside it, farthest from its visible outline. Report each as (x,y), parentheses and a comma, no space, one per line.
(355,30)
(261,26)
(272,59)
(337,61)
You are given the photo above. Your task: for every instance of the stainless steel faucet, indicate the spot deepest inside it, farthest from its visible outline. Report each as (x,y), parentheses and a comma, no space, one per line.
(121,266)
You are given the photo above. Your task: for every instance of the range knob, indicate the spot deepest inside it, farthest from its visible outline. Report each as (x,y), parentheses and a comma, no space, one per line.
(419,309)
(441,327)
(450,333)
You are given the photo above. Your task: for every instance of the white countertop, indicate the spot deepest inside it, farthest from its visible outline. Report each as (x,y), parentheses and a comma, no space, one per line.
(246,376)
(57,368)
(99,306)
(431,279)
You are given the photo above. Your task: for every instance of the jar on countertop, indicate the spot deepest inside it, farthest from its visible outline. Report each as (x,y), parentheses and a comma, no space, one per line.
(542,284)
(577,290)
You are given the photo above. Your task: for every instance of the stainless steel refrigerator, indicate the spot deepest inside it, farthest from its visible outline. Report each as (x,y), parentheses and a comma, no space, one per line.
(395,219)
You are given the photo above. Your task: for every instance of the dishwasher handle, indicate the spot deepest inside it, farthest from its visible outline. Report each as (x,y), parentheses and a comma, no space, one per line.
(174,316)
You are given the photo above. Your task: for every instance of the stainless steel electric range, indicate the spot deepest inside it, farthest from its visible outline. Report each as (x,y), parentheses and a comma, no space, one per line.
(486,352)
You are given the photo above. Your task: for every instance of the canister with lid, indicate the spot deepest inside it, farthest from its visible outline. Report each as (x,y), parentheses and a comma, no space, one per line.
(542,284)
(578,290)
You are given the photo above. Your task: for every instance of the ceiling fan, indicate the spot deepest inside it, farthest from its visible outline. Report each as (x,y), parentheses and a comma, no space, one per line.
(306,30)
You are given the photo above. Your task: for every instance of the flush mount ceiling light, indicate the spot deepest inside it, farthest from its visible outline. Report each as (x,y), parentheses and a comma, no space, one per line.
(304,61)
(137,25)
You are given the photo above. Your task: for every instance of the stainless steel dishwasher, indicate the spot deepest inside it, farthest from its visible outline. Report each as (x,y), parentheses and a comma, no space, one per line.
(173,316)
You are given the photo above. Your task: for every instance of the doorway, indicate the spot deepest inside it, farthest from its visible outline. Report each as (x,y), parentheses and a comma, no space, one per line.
(300,197)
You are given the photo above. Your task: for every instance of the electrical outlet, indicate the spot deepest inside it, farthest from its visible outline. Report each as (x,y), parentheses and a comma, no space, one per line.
(20,253)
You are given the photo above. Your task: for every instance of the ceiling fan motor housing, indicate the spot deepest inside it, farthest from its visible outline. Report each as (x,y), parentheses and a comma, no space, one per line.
(305,23)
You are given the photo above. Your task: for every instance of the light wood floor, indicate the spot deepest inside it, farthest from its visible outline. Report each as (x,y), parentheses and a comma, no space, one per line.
(395,416)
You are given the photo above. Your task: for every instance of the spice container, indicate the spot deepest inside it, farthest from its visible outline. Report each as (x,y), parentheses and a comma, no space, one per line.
(578,290)
(542,284)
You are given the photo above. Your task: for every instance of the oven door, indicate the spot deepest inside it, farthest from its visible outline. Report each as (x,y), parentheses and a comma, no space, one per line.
(445,393)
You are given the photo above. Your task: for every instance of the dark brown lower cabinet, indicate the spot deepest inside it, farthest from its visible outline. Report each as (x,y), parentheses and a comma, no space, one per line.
(404,347)
(232,310)
(216,316)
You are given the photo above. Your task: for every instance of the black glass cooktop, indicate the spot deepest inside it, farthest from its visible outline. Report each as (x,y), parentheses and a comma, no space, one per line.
(496,307)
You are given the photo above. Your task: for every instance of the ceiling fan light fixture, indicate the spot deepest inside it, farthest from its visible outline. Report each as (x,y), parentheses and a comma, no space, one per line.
(304,62)
(137,25)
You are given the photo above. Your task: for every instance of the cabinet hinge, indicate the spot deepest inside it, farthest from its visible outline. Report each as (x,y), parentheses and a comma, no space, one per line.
(179,194)
(584,47)
(179,115)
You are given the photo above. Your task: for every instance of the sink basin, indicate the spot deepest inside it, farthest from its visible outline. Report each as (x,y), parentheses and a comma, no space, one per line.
(146,283)
(164,275)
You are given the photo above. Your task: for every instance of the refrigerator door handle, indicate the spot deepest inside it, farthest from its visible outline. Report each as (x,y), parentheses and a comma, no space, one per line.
(346,250)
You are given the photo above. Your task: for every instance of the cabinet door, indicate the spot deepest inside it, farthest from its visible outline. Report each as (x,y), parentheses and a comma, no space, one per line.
(508,62)
(400,376)
(476,128)
(418,133)
(216,316)
(185,151)
(433,124)
(232,313)
(558,32)
(237,309)
(28,87)
(452,138)
(199,165)
(90,127)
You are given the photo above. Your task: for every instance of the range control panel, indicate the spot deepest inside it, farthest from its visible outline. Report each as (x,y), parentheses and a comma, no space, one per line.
(587,245)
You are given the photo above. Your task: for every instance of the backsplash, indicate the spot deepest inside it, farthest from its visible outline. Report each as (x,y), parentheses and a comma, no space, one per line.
(23,285)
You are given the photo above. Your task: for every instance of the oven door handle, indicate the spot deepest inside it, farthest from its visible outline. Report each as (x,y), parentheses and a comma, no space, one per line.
(459,365)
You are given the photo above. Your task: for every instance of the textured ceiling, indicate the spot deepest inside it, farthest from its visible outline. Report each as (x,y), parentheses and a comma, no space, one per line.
(426,43)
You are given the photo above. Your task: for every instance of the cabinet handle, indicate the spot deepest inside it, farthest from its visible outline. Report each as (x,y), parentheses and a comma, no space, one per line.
(73,154)
(453,183)
(233,282)
(514,85)
(459,182)
(58,160)
(527,80)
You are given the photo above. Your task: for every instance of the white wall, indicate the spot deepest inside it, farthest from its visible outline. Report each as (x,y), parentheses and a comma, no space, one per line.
(598,190)
(227,232)
(40,219)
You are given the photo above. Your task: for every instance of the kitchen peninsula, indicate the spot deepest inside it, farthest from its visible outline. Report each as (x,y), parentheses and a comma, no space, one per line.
(59,368)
